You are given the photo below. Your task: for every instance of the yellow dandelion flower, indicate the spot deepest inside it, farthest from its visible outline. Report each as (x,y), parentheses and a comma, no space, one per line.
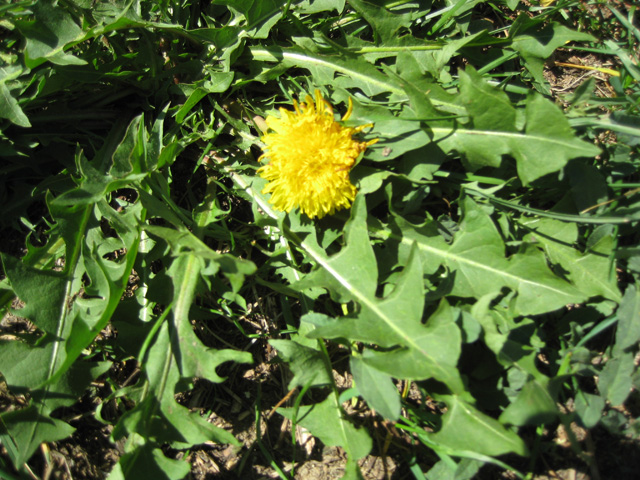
(310,155)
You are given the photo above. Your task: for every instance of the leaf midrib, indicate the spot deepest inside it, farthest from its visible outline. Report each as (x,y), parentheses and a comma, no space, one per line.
(371,304)
(309,59)
(464,260)
(585,271)
(567,143)
(480,420)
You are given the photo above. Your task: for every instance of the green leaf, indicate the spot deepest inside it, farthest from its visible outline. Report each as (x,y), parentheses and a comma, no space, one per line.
(158,418)
(628,332)
(376,388)
(395,320)
(433,352)
(510,342)
(306,363)
(477,260)
(588,186)
(195,96)
(465,428)
(317,6)
(78,301)
(536,41)
(47,32)
(533,406)
(537,38)
(465,470)
(326,421)
(589,408)
(112,169)
(615,381)
(166,420)
(350,274)
(592,270)
(185,243)
(26,429)
(259,16)
(385,23)
(176,354)
(43,292)
(396,136)
(192,357)
(148,461)
(545,146)
(368,77)
(10,108)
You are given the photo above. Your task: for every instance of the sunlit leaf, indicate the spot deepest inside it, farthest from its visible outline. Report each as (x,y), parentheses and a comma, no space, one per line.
(307,364)
(376,388)
(465,428)
(545,145)
(479,264)
(591,270)
(326,421)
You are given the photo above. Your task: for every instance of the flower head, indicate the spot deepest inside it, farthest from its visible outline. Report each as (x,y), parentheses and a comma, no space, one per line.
(310,155)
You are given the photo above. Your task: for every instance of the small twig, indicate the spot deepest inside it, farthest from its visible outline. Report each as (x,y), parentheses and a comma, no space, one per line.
(625,194)
(281,402)
(608,71)
(29,471)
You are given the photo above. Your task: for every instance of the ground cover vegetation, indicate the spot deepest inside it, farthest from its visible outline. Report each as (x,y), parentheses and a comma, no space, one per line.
(319,239)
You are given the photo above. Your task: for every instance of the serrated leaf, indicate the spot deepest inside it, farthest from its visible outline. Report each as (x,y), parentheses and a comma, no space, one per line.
(368,78)
(385,23)
(434,352)
(466,428)
(506,343)
(307,364)
(169,421)
(177,354)
(185,243)
(351,274)
(158,418)
(326,421)
(534,37)
(86,292)
(193,358)
(43,292)
(260,16)
(395,320)
(120,163)
(47,32)
(545,145)
(477,260)
(25,429)
(536,41)
(591,270)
